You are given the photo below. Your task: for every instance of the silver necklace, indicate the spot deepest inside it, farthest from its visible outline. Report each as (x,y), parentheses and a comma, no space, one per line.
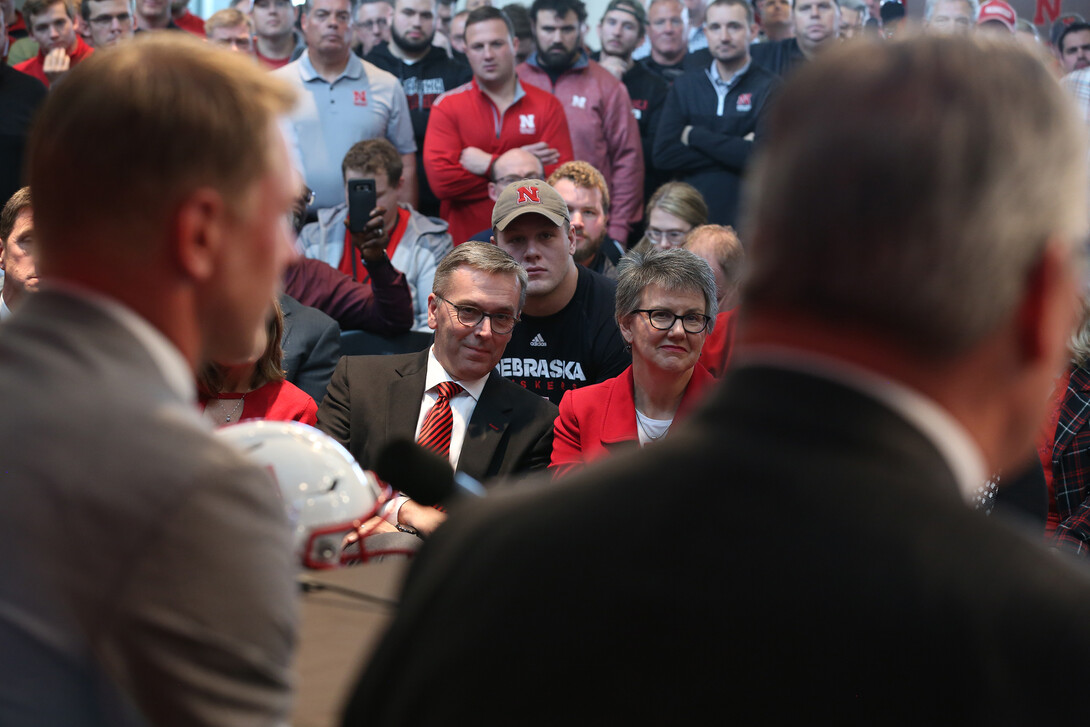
(647,434)
(238,404)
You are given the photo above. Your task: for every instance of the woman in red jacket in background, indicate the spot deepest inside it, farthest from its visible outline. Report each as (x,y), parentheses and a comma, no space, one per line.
(666,305)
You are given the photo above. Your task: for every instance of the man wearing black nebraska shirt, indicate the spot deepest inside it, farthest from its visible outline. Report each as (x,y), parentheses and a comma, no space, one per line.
(425,73)
(568,335)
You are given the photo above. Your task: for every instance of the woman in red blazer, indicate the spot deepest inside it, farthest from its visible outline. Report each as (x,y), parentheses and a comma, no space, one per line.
(666,305)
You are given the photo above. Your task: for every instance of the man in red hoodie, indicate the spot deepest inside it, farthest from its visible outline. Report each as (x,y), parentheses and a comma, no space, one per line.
(471,126)
(59,46)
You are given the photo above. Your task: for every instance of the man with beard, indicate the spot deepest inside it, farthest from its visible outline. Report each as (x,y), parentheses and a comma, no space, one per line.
(584,190)
(620,32)
(594,101)
(817,28)
(711,116)
(474,124)
(425,72)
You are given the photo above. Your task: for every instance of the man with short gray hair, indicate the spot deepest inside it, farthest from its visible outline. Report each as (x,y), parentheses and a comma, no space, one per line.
(853,13)
(343,99)
(371,23)
(951,17)
(835,564)
(493,427)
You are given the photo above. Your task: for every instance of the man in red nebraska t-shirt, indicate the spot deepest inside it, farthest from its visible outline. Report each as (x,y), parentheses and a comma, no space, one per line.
(59,47)
(471,126)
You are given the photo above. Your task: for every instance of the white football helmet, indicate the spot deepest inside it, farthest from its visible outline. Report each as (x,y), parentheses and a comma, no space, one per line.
(328,498)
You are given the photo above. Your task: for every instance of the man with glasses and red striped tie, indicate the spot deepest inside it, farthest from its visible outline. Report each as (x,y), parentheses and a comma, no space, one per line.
(449,398)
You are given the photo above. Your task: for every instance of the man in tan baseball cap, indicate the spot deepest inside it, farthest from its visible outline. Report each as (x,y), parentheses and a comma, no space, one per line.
(568,336)
(529,196)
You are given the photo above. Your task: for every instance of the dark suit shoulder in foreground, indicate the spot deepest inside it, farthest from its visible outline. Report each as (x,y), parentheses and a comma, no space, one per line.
(820,562)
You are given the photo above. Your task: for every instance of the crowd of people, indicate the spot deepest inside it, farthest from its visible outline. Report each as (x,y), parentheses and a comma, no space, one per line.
(566,256)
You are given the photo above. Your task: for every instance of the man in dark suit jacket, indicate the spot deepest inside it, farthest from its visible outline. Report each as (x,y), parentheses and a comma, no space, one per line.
(499,428)
(830,565)
(312,346)
(146,569)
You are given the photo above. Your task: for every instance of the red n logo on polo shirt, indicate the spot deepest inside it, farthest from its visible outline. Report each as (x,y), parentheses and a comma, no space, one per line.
(359,98)
(527,194)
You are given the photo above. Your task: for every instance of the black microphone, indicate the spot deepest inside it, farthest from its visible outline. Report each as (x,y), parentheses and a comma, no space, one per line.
(422,474)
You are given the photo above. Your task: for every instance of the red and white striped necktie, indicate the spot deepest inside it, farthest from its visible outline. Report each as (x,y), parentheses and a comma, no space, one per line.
(439,421)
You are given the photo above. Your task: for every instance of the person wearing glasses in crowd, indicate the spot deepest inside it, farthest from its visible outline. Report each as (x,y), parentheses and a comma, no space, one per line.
(673,210)
(110,21)
(372,24)
(666,306)
(492,426)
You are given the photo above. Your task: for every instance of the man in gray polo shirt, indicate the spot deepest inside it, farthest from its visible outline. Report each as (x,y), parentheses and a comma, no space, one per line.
(343,100)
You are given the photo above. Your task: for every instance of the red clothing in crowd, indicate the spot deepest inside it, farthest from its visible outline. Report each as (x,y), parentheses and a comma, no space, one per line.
(466,117)
(716,352)
(352,262)
(1046,442)
(271,63)
(190,22)
(595,419)
(33,66)
(598,105)
(280,401)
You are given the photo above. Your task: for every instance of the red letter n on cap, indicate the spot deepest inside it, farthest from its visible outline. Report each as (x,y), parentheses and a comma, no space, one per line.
(527,194)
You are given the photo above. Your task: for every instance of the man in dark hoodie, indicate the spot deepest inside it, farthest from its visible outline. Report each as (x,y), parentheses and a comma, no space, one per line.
(425,72)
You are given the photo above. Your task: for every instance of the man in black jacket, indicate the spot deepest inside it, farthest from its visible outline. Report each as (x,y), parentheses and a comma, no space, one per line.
(817,28)
(712,116)
(425,72)
(828,564)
